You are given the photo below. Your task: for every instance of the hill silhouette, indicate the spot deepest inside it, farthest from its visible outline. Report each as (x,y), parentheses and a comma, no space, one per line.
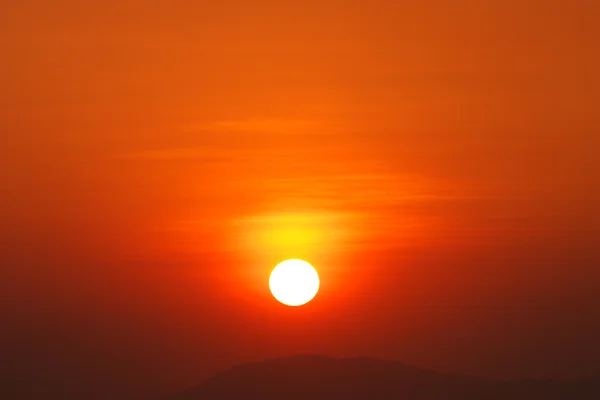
(321,377)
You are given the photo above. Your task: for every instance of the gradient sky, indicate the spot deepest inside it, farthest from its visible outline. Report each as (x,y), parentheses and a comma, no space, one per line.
(435,160)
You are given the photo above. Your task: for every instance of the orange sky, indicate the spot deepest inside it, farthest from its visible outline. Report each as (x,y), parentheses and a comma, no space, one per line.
(436,161)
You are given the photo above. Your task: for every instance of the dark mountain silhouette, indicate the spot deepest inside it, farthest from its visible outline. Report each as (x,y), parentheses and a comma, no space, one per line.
(320,377)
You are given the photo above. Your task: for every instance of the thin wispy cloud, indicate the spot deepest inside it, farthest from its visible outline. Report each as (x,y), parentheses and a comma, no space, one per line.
(262,125)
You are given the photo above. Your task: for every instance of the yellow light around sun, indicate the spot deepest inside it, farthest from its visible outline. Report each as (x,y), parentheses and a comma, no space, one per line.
(275,236)
(294,282)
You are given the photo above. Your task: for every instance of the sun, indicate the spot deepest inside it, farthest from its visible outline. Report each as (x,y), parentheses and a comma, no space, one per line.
(294,282)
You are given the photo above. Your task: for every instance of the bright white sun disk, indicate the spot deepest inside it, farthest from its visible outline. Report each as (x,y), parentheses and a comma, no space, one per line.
(294,282)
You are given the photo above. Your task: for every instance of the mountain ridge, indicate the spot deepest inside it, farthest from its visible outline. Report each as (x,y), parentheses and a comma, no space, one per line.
(318,377)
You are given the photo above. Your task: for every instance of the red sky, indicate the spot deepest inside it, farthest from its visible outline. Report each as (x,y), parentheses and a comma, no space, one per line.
(436,161)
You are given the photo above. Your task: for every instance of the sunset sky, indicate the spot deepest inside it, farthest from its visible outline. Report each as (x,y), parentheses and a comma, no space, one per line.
(436,161)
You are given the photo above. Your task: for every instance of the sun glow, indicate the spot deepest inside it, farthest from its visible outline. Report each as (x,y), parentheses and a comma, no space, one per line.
(294,282)
(278,235)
